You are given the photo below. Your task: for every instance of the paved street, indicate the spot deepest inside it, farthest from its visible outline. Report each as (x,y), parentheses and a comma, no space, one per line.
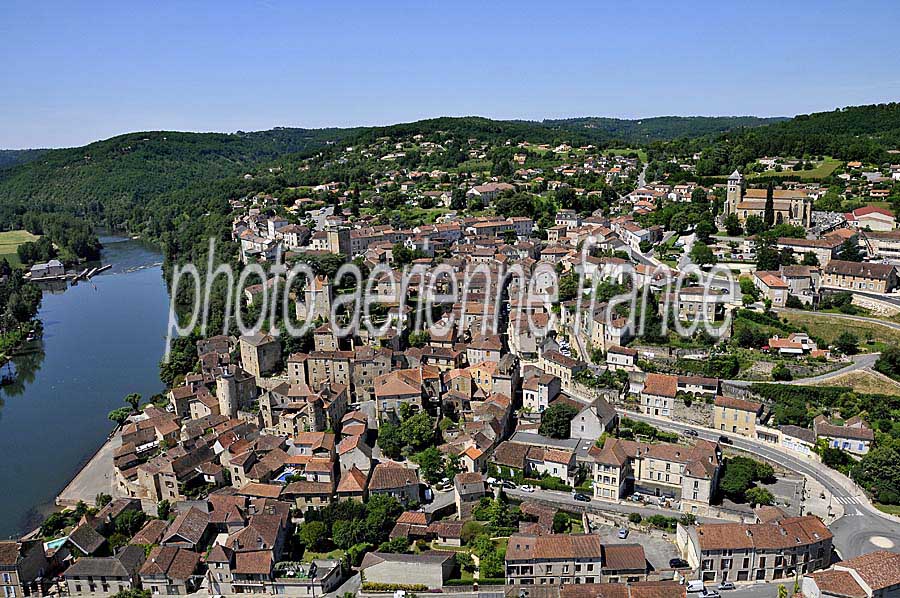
(862,361)
(862,528)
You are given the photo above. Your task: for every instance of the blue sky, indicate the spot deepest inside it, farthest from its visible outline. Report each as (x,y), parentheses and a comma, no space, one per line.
(77,72)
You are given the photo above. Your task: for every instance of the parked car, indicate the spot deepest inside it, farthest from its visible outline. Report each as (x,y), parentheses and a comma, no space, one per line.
(690,432)
(492,481)
(707,593)
(623,533)
(636,497)
(526,488)
(581,496)
(508,485)
(678,564)
(695,586)
(725,440)
(726,585)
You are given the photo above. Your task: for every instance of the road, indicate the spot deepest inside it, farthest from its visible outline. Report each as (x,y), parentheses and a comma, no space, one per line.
(863,361)
(862,529)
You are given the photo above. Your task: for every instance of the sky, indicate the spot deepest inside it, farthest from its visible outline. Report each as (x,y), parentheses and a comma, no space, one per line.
(75,72)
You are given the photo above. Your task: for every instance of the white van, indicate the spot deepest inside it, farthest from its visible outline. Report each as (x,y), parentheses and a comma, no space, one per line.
(695,586)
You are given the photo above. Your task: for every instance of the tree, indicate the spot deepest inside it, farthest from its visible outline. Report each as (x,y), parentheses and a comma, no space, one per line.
(133,399)
(877,471)
(345,533)
(561,523)
(733,225)
(102,499)
(847,343)
(702,255)
(849,251)
(634,517)
(120,415)
(556,420)
(129,522)
(810,259)
(769,212)
(430,463)
(568,286)
(458,200)
(418,430)
(420,338)
(781,373)
(491,565)
(390,439)
(737,479)
(132,593)
(754,225)
(704,231)
(889,362)
(400,544)
(470,530)
(163,509)
(757,496)
(464,561)
(313,534)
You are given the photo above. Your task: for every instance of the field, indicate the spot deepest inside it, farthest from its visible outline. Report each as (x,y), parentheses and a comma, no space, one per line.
(829,328)
(867,383)
(642,154)
(10,241)
(822,170)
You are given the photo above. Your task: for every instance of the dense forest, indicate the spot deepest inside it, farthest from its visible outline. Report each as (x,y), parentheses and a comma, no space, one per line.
(10,158)
(660,128)
(855,133)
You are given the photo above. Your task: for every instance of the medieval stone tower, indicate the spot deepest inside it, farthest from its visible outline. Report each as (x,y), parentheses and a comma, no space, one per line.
(735,192)
(227,393)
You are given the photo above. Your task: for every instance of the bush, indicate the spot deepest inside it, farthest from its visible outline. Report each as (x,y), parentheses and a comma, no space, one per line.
(551,483)
(759,496)
(561,523)
(781,373)
(371,586)
(635,517)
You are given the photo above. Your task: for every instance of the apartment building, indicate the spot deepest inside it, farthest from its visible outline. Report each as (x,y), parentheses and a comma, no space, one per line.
(553,559)
(738,416)
(769,551)
(859,276)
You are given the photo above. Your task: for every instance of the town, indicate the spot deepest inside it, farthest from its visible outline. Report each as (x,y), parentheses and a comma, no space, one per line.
(526,444)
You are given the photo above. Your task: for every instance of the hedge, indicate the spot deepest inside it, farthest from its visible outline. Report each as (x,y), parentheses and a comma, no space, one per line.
(372,586)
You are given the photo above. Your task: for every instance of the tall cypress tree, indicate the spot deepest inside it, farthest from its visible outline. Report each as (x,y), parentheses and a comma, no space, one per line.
(769,215)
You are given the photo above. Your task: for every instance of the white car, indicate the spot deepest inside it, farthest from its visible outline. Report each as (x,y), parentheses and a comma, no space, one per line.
(526,488)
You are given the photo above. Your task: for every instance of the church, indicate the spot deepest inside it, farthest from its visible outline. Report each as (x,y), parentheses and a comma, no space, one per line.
(790,205)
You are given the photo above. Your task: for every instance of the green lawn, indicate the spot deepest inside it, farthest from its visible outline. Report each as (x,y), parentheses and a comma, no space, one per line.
(310,555)
(822,170)
(891,509)
(642,155)
(829,328)
(10,241)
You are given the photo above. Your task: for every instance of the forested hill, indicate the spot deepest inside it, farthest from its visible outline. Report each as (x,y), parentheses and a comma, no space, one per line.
(854,133)
(131,169)
(661,128)
(10,158)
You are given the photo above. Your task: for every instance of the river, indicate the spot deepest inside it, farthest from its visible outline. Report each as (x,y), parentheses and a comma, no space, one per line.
(102,340)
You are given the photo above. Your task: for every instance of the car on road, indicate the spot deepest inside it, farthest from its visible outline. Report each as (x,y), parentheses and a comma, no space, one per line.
(526,488)
(725,440)
(623,533)
(707,593)
(726,585)
(492,481)
(690,432)
(581,496)
(695,586)
(678,564)
(508,485)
